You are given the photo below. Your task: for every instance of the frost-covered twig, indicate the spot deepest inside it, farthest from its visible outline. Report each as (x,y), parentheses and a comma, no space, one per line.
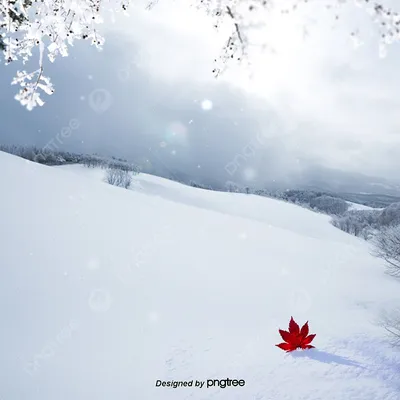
(53,25)
(387,247)
(247,16)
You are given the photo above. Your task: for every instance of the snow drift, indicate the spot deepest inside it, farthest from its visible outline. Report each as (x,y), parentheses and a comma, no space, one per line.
(105,291)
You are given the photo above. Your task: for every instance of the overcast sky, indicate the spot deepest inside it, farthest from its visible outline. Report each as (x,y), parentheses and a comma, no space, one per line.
(151,95)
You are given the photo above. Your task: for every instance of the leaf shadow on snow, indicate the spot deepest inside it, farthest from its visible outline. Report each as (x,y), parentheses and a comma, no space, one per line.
(379,365)
(327,358)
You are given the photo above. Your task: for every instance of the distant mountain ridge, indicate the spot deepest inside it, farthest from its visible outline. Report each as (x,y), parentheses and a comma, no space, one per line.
(354,187)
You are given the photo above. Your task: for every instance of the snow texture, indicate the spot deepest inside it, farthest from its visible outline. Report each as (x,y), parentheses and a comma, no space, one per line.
(106,290)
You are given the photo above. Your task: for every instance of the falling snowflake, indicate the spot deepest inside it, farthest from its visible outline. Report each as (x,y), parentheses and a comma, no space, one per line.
(173,152)
(249,174)
(382,51)
(100,300)
(284,271)
(206,105)
(153,317)
(93,264)
(163,144)
(176,132)
(300,300)
(177,128)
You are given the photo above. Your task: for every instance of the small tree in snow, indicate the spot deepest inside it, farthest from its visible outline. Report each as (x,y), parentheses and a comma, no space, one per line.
(387,244)
(53,25)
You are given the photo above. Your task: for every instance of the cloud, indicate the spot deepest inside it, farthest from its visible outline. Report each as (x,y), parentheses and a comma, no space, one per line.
(340,101)
(316,98)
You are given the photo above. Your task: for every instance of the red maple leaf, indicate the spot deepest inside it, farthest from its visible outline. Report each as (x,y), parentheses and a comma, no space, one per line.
(296,338)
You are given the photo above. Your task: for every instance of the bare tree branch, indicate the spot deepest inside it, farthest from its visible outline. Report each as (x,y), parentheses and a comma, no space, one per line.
(230,13)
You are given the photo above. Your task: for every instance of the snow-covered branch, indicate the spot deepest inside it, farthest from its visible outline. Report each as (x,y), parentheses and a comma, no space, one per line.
(53,25)
(247,16)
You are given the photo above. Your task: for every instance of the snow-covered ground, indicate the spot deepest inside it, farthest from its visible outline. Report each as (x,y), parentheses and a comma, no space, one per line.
(356,206)
(105,291)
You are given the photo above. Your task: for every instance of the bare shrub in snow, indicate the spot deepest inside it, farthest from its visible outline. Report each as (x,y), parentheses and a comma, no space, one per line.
(387,247)
(233,187)
(94,162)
(199,185)
(390,321)
(119,177)
(123,165)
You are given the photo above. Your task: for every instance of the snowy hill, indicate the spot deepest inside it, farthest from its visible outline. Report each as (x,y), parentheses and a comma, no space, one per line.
(106,290)
(360,207)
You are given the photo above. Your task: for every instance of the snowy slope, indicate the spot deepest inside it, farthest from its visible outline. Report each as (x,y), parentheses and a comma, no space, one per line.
(362,207)
(105,290)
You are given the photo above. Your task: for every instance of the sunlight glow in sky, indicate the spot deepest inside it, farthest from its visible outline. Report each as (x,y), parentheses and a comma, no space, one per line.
(339,98)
